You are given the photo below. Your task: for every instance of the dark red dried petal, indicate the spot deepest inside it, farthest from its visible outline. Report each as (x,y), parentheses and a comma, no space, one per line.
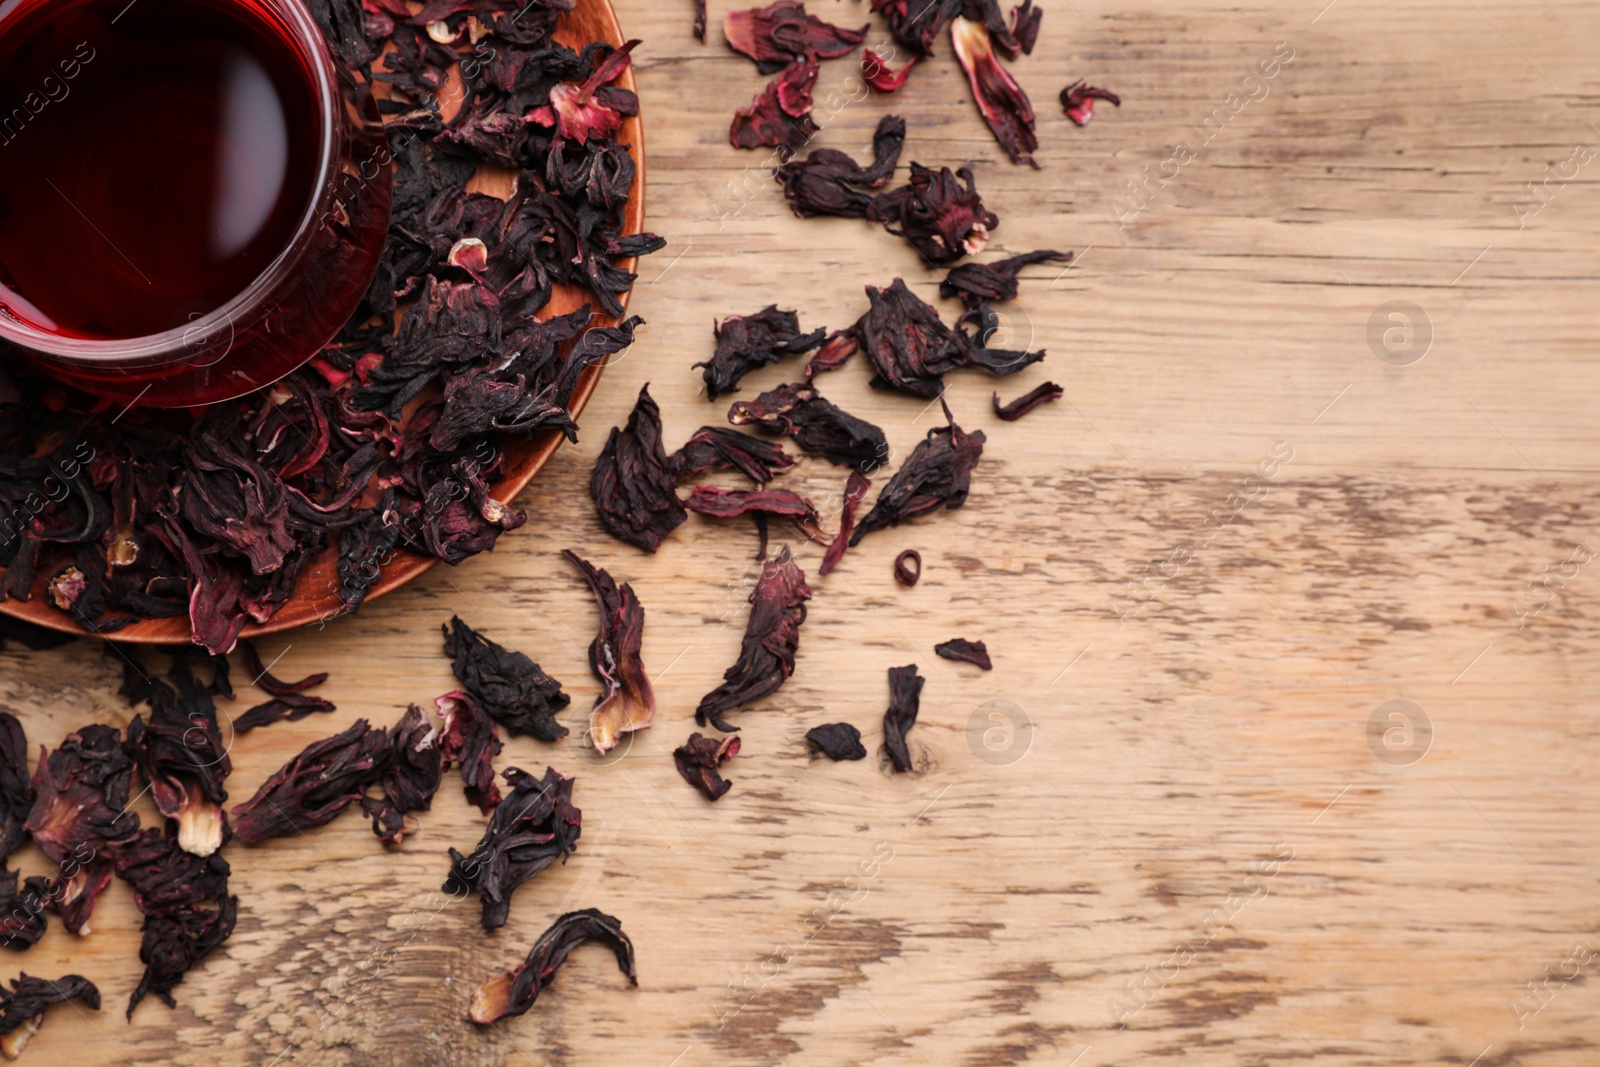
(532,828)
(817,426)
(749,342)
(633,484)
(780,115)
(835,353)
(574,109)
(771,640)
(467,738)
(514,993)
(943,218)
(782,32)
(512,688)
(882,77)
(829,182)
(855,490)
(1077,100)
(731,503)
(903,574)
(717,448)
(976,284)
(905,698)
(936,475)
(1001,101)
(699,760)
(909,345)
(836,740)
(314,787)
(626,701)
(81,801)
(964,651)
(22,1006)
(1041,394)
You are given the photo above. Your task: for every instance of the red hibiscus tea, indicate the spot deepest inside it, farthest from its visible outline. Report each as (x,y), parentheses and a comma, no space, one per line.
(175,221)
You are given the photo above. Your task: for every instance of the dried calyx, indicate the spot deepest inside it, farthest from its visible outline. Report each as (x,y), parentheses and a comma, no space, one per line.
(626,701)
(532,828)
(514,992)
(771,640)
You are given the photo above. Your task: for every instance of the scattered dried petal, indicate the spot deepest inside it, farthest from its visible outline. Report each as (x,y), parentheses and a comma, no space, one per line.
(16,787)
(717,448)
(943,218)
(81,797)
(466,737)
(828,182)
(855,490)
(905,698)
(816,425)
(699,759)
(835,353)
(749,342)
(977,284)
(882,77)
(771,639)
(837,741)
(780,115)
(730,503)
(583,110)
(909,346)
(182,755)
(782,32)
(902,567)
(22,1006)
(512,688)
(1040,394)
(626,701)
(633,484)
(535,826)
(965,651)
(1001,101)
(415,772)
(314,787)
(514,993)
(937,474)
(1077,100)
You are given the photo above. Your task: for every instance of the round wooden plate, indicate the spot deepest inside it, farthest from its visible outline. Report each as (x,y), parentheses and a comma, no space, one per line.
(316,593)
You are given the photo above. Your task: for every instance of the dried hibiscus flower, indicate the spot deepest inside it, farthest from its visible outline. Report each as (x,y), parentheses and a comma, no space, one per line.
(828,182)
(415,771)
(16,787)
(1041,394)
(937,474)
(512,688)
(594,107)
(633,484)
(314,787)
(910,347)
(514,992)
(780,115)
(730,503)
(748,342)
(782,32)
(466,737)
(905,698)
(626,702)
(1077,100)
(22,1006)
(837,741)
(943,217)
(903,572)
(771,639)
(535,826)
(976,284)
(699,760)
(817,426)
(181,754)
(717,448)
(855,490)
(188,912)
(1001,101)
(964,651)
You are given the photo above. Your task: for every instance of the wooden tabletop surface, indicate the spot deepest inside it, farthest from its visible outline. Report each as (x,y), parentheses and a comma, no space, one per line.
(1197,831)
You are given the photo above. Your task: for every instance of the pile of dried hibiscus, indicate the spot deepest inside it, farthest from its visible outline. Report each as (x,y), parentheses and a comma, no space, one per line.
(391,438)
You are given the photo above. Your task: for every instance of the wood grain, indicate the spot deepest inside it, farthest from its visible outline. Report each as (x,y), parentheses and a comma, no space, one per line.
(1198,808)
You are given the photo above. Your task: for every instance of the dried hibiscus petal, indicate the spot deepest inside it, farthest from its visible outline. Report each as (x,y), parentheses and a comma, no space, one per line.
(882,77)
(939,212)
(466,737)
(829,182)
(514,992)
(263,679)
(910,347)
(512,688)
(964,651)
(936,475)
(633,484)
(535,826)
(855,490)
(1001,101)
(837,741)
(771,639)
(699,760)
(748,342)
(905,698)
(782,32)
(717,448)
(314,787)
(415,771)
(81,801)
(903,572)
(1077,100)
(916,23)
(188,912)
(817,426)
(626,702)
(780,115)
(22,1006)
(281,709)
(976,284)
(835,353)
(1041,394)
(730,503)
(181,754)
(22,908)
(16,787)
(592,108)
(73,892)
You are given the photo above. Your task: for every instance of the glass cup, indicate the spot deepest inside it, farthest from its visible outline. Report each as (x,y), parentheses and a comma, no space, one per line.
(297,303)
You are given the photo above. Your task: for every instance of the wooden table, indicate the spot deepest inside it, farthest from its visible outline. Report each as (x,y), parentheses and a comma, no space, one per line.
(1208,841)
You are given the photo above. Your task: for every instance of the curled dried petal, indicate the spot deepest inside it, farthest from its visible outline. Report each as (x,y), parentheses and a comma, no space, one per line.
(771,640)
(817,426)
(626,701)
(943,218)
(782,32)
(717,448)
(532,828)
(515,992)
(905,698)
(855,490)
(749,342)
(836,740)
(1077,100)
(1040,394)
(730,503)
(903,572)
(936,475)
(1001,101)
(699,760)
(780,115)
(964,651)
(512,688)
(633,485)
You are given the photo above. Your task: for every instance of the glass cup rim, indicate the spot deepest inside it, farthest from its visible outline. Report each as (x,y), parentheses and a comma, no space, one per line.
(173,344)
